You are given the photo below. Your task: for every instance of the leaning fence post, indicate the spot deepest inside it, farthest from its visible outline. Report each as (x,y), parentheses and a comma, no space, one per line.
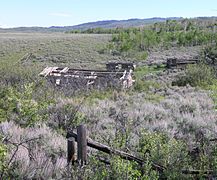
(70,150)
(82,144)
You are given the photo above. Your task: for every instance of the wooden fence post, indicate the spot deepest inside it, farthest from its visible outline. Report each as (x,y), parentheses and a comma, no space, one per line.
(71,150)
(82,144)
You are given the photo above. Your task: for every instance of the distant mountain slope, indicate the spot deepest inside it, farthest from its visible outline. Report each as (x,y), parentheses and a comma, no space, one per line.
(122,23)
(89,25)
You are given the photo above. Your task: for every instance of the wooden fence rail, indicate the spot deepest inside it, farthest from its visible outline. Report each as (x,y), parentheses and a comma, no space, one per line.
(179,63)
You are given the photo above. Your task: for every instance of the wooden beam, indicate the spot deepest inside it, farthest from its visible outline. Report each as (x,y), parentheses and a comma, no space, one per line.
(197,172)
(70,150)
(82,144)
(214,139)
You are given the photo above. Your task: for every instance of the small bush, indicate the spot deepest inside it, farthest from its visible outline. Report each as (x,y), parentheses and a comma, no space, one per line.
(170,153)
(65,114)
(200,75)
(142,55)
(40,155)
(2,156)
(144,86)
(141,84)
(209,55)
(20,105)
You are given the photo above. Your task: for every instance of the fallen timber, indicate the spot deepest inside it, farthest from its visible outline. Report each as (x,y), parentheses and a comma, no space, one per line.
(116,75)
(179,63)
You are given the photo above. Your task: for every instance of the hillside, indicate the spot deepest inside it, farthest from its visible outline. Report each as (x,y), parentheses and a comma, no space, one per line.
(122,23)
(89,25)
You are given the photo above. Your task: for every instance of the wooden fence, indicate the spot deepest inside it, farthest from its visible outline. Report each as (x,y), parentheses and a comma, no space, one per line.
(83,142)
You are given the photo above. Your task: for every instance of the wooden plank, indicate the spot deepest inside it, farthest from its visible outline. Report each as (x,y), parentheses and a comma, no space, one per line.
(47,71)
(214,139)
(82,144)
(186,62)
(64,70)
(91,72)
(198,172)
(70,150)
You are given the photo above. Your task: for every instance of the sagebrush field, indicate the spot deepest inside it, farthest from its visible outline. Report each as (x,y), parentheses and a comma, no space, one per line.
(168,117)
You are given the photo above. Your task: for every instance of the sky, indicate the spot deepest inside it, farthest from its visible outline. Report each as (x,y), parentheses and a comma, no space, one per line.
(45,13)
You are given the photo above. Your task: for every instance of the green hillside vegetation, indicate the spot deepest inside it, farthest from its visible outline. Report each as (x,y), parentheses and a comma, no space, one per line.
(139,41)
(97,31)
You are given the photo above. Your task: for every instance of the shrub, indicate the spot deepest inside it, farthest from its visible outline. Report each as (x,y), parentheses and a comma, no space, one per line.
(20,105)
(17,75)
(141,84)
(65,114)
(2,156)
(170,153)
(200,75)
(144,86)
(209,55)
(41,153)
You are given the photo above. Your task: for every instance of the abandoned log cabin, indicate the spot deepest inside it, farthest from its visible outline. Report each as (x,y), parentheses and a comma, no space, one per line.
(115,75)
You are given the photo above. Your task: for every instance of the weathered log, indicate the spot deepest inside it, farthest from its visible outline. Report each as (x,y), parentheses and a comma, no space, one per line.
(175,63)
(214,139)
(70,151)
(197,172)
(82,144)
